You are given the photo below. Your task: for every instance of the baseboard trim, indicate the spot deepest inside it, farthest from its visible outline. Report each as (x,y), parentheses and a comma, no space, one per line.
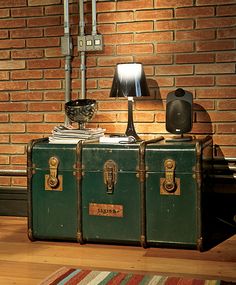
(13,202)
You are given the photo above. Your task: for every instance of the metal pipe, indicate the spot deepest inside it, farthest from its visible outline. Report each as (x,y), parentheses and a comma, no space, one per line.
(66,17)
(224,167)
(225,159)
(67,51)
(81,17)
(222,176)
(11,172)
(82,54)
(83,73)
(13,188)
(94,19)
(67,78)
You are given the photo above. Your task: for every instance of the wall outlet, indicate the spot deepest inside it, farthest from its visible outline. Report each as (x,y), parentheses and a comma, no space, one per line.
(90,43)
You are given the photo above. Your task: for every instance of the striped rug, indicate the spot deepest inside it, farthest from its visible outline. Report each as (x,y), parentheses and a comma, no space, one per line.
(70,276)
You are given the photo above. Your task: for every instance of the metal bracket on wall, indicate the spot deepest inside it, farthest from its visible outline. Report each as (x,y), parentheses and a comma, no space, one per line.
(90,43)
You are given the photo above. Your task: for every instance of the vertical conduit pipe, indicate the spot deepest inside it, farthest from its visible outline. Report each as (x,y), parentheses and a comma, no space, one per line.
(94,19)
(82,56)
(67,50)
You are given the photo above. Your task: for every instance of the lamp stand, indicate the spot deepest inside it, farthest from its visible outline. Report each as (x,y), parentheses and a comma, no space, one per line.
(130,131)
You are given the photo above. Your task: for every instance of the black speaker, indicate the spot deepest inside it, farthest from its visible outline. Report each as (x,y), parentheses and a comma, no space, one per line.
(179,111)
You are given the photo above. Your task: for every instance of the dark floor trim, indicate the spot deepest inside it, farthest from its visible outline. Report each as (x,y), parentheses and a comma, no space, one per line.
(13,202)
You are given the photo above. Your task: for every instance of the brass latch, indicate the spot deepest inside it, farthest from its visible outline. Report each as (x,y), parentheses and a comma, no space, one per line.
(110,175)
(53,181)
(169,184)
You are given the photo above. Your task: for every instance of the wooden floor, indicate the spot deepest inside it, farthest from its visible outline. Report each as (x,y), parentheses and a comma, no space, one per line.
(27,263)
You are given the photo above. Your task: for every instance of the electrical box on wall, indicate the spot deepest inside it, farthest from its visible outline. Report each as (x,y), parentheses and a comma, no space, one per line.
(66,45)
(90,43)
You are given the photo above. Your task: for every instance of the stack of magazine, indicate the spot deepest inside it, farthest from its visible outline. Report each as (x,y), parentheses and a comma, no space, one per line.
(70,135)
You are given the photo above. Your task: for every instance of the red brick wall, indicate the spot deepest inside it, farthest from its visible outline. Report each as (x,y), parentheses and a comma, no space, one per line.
(188,43)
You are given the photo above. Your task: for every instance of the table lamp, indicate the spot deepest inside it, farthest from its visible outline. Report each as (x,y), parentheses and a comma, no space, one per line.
(129,81)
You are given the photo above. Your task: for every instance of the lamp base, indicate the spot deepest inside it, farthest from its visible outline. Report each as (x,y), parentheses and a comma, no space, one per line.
(130,130)
(130,138)
(132,133)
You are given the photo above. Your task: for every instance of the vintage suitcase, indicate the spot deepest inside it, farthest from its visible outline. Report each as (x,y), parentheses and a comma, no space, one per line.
(53,191)
(111,205)
(176,187)
(151,194)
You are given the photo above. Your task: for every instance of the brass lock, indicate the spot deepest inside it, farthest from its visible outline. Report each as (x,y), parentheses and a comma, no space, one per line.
(110,175)
(170,184)
(53,181)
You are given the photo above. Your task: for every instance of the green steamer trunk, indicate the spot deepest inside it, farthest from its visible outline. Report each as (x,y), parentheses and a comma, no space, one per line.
(152,193)
(53,191)
(111,205)
(176,183)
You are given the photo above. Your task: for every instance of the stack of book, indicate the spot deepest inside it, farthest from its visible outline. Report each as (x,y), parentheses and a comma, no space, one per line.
(70,135)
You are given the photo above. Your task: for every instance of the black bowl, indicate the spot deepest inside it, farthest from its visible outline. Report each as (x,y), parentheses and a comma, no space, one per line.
(80,110)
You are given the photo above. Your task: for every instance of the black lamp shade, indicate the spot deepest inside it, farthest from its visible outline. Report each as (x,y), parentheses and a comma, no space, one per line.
(129,81)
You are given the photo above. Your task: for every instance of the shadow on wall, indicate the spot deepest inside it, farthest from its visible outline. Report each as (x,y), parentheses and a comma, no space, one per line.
(224,188)
(202,124)
(156,104)
(154,89)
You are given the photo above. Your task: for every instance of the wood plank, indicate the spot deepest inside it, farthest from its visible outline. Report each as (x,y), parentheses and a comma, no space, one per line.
(222,252)
(33,261)
(18,281)
(23,273)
